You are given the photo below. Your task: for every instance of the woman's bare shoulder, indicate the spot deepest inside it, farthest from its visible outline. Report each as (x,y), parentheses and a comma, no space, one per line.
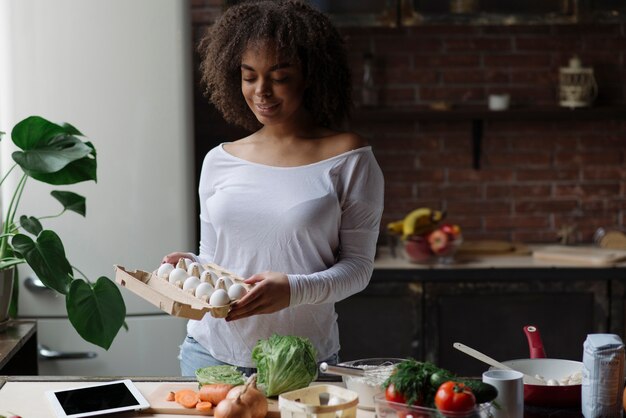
(341,142)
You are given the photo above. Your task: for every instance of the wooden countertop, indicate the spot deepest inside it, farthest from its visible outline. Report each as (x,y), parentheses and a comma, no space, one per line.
(489,267)
(13,339)
(25,396)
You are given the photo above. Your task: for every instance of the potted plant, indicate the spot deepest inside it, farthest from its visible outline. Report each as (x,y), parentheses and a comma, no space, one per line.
(55,154)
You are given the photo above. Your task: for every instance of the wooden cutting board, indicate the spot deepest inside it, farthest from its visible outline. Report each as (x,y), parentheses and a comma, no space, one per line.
(160,405)
(580,255)
(492,247)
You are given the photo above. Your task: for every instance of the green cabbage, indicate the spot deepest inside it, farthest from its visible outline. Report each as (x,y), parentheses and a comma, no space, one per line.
(284,363)
(220,374)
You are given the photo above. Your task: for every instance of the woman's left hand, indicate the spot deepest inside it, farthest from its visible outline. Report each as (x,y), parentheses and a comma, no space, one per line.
(270,293)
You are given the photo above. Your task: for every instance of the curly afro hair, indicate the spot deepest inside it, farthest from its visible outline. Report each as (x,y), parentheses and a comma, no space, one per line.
(299,32)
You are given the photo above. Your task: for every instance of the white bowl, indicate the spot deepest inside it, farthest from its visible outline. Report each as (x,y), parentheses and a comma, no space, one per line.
(370,385)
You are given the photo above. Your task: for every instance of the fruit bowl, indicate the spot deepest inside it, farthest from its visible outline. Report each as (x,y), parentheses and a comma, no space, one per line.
(435,247)
(387,409)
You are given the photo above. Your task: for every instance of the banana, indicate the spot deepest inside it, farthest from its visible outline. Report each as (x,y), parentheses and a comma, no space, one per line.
(396,227)
(420,221)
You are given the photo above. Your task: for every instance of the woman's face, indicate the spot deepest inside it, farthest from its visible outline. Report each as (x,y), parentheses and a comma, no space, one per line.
(272,86)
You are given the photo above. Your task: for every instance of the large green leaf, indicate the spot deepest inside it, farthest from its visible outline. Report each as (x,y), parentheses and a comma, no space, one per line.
(30,132)
(96,311)
(47,259)
(51,155)
(70,201)
(75,172)
(31,224)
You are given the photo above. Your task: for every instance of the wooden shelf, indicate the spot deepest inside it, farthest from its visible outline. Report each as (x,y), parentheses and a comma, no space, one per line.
(477,116)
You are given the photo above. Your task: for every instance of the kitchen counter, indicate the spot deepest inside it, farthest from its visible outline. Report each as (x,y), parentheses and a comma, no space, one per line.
(18,348)
(25,396)
(419,311)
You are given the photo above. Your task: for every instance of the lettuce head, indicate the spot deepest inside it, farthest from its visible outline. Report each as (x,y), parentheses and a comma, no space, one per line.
(284,363)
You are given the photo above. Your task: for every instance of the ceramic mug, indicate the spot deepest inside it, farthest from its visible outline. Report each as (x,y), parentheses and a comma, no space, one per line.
(510,386)
(499,101)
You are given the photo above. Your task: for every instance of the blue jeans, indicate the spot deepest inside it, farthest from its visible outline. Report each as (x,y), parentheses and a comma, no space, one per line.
(193,357)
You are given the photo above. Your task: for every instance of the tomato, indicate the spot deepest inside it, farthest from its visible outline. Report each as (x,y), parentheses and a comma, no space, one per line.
(454,397)
(392,395)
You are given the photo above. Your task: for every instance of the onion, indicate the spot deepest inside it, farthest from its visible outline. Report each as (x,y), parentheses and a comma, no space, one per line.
(251,397)
(232,408)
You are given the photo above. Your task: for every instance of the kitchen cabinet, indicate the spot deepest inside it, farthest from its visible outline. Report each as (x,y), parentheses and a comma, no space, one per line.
(483,303)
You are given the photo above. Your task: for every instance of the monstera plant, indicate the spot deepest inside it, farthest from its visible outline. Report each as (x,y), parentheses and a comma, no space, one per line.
(56,155)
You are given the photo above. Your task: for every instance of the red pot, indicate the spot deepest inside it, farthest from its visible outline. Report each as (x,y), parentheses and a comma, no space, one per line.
(547,396)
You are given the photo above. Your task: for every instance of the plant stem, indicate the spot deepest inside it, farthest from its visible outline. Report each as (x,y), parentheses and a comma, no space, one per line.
(82,274)
(8,224)
(7,174)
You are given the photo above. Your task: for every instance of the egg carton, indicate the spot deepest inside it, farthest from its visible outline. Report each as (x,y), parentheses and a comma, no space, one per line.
(169,297)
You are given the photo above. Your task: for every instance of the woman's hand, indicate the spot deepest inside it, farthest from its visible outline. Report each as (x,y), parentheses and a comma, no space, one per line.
(271,293)
(172,258)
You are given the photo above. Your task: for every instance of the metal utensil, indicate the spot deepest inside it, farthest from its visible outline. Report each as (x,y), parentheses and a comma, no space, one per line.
(528,379)
(341,370)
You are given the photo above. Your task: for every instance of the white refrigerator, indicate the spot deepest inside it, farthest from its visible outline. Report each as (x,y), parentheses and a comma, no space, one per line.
(120,72)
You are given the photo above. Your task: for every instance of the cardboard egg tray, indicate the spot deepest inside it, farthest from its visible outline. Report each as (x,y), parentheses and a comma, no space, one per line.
(170,298)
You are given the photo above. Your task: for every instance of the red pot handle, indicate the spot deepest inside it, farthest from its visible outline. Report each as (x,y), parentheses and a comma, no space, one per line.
(535,345)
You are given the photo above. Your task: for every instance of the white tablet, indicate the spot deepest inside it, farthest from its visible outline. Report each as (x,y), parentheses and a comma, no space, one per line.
(97,399)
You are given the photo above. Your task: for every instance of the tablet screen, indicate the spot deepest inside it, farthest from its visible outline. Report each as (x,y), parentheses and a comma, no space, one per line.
(95,399)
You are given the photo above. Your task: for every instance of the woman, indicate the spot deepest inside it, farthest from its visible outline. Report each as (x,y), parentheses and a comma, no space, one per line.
(295,207)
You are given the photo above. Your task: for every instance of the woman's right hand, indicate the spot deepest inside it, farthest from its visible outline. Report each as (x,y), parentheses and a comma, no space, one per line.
(172,258)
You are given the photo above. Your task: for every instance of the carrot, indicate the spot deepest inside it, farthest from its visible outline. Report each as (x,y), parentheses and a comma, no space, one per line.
(171,396)
(204,406)
(215,392)
(187,398)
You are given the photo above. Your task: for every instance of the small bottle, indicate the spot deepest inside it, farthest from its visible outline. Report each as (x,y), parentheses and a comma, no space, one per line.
(369,92)
(603,376)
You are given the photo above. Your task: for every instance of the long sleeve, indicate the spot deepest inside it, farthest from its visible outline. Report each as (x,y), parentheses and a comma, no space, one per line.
(362,206)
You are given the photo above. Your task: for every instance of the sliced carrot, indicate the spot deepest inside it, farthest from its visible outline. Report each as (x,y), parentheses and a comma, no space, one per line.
(171,397)
(204,406)
(187,398)
(215,392)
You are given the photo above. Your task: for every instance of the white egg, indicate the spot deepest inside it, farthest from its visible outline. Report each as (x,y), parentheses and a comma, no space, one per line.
(178,275)
(236,291)
(204,289)
(181,264)
(191,267)
(191,283)
(219,298)
(228,282)
(208,277)
(164,270)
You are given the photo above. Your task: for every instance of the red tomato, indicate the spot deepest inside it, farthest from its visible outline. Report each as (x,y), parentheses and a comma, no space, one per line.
(392,395)
(454,397)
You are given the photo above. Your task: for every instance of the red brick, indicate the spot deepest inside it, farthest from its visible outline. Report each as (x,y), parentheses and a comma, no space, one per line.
(534,30)
(462,77)
(542,43)
(450,193)
(483,175)
(517,60)
(588,189)
(539,236)
(517,222)
(545,206)
(477,44)
(517,159)
(588,158)
(400,75)
(534,77)
(547,174)
(486,235)
(595,29)
(479,207)
(521,191)
(383,45)
(429,60)
(398,95)
(604,173)
(437,160)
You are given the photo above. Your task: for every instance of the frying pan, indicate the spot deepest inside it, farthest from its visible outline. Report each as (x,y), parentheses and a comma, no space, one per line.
(548,368)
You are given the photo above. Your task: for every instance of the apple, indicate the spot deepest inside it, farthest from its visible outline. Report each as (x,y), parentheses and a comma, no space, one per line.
(418,249)
(452,230)
(439,241)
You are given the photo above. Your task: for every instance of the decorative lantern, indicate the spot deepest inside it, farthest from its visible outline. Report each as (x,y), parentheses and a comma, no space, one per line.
(577,85)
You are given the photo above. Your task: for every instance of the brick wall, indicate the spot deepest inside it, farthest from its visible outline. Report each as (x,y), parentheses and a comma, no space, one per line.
(535,176)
